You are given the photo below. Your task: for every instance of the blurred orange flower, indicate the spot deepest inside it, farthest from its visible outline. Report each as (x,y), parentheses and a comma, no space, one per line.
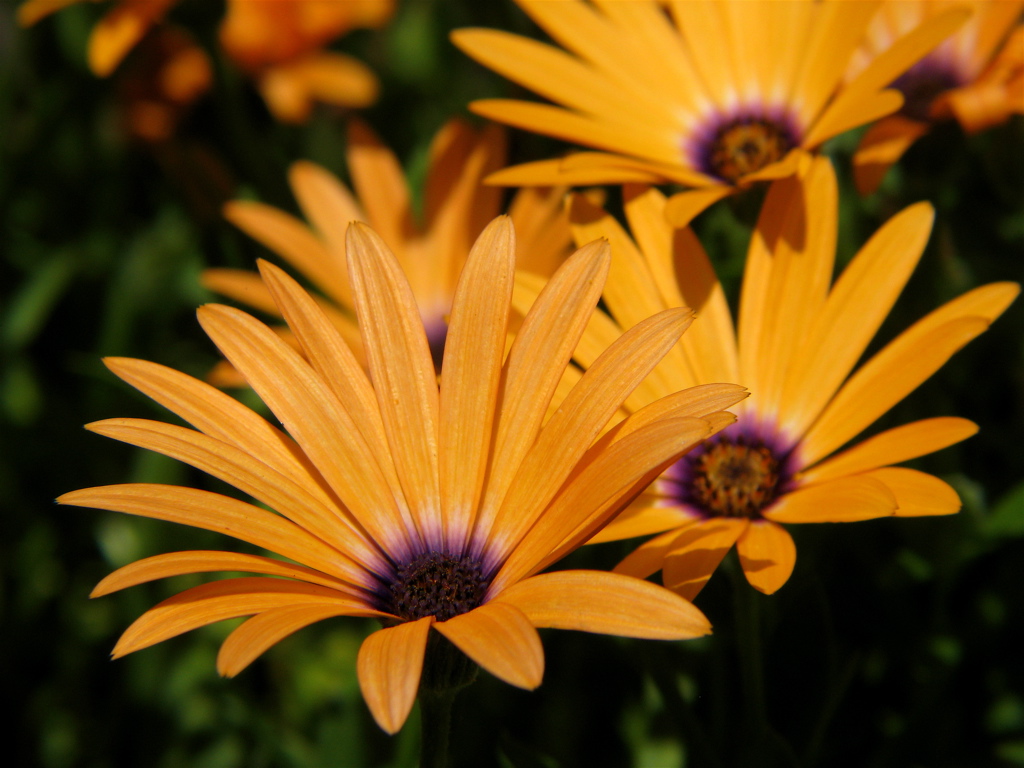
(432,249)
(280,43)
(114,35)
(976,76)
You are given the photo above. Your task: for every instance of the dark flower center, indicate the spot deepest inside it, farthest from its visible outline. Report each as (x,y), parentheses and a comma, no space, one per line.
(732,478)
(746,145)
(437,335)
(921,85)
(437,584)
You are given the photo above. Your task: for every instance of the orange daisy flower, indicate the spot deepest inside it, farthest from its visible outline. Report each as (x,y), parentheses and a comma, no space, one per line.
(798,340)
(280,44)
(713,95)
(431,507)
(114,35)
(975,76)
(457,205)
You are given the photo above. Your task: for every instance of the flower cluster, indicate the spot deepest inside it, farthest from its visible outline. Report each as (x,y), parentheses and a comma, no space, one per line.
(450,427)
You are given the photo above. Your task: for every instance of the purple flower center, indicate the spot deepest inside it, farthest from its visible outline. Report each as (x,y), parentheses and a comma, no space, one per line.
(436,584)
(921,84)
(730,476)
(738,146)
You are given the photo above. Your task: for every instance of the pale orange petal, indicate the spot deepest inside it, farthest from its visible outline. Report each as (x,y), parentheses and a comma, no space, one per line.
(684,207)
(696,553)
(402,371)
(767,555)
(221,416)
(250,639)
(843,500)
(649,557)
(535,365)
(559,171)
(202,561)
(500,638)
(213,512)
(327,522)
(642,518)
(474,352)
(389,666)
(242,286)
(605,603)
(918,493)
(579,420)
(314,417)
(325,349)
(226,599)
(880,147)
(893,446)
(380,183)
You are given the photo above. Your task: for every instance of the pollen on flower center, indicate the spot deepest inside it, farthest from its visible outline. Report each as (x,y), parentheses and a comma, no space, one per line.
(437,584)
(746,145)
(734,478)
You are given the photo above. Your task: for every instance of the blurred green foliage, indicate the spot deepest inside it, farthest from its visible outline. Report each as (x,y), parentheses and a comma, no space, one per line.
(896,643)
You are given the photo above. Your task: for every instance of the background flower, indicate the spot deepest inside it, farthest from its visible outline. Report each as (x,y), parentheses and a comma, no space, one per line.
(701,97)
(976,76)
(431,248)
(798,340)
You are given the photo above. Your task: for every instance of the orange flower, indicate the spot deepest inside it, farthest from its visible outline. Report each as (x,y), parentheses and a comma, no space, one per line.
(432,253)
(798,340)
(117,32)
(158,88)
(432,507)
(976,76)
(280,43)
(715,96)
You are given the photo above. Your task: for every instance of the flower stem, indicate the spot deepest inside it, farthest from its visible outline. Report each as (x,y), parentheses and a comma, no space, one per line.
(446,671)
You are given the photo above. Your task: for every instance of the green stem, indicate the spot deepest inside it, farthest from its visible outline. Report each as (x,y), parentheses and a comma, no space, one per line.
(748,647)
(446,671)
(436,720)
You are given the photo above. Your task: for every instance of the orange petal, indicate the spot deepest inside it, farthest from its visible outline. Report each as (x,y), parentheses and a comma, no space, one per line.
(696,553)
(334,78)
(213,512)
(293,241)
(201,561)
(606,603)
(917,493)
(642,518)
(500,638)
(882,146)
(859,302)
(684,276)
(843,500)
(767,555)
(118,32)
(279,492)
(581,417)
(606,480)
(301,399)
(552,172)
(389,666)
(893,446)
(474,352)
(536,363)
(380,184)
(221,416)
(650,556)
(402,371)
(325,349)
(684,207)
(227,599)
(250,639)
